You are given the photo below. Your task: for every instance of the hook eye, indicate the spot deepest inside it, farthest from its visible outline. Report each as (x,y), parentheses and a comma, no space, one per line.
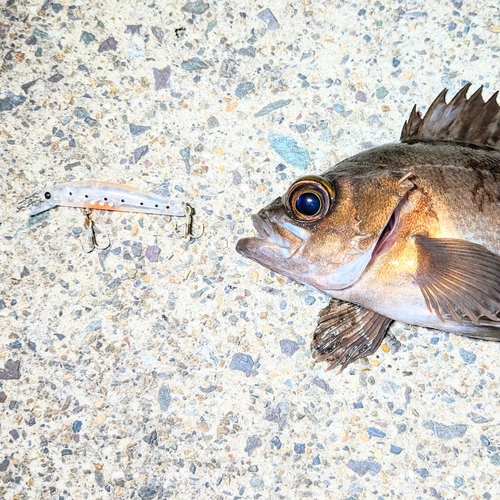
(309,198)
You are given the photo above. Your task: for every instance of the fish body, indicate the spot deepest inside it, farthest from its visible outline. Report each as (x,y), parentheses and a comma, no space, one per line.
(104,196)
(407,231)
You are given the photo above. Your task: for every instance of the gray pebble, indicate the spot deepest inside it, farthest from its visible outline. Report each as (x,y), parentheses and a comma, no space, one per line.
(288,347)
(299,448)
(446,431)
(94,326)
(107,45)
(272,107)
(477,419)
(243,363)
(319,382)
(11,370)
(236,178)
(90,121)
(153,253)
(268,17)
(194,64)
(186,156)
(212,122)
(136,249)
(158,33)
(257,482)
(28,85)
(99,479)
(381,92)
(252,443)
(196,7)
(151,438)
(360,96)
(467,356)
(138,129)
(149,492)
(247,51)
(140,152)
(278,414)
(4,464)
(80,112)
(243,89)
(133,29)
(87,37)
(164,398)
(361,467)
(13,99)
(162,77)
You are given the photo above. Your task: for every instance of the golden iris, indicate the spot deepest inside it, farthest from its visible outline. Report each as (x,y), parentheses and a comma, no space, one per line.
(309,198)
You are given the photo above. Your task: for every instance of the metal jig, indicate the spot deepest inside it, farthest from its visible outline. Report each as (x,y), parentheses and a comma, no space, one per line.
(188,225)
(89,227)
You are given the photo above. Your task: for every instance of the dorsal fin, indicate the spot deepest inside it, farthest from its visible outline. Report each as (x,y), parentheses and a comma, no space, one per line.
(470,121)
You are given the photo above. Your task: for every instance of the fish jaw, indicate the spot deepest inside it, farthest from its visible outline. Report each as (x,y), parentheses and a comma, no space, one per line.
(281,247)
(273,245)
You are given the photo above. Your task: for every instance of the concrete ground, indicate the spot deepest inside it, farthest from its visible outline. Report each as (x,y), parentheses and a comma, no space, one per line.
(165,367)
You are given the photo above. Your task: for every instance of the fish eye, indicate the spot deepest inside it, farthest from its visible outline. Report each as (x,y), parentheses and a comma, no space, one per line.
(47,195)
(309,198)
(308,204)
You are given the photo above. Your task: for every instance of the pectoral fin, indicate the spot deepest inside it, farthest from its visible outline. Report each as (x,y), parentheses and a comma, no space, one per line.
(347,332)
(458,279)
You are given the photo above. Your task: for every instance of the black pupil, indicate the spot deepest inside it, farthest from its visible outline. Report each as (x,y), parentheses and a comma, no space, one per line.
(308,204)
(48,196)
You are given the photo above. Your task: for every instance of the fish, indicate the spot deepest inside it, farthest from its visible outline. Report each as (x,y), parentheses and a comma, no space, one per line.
(408,231)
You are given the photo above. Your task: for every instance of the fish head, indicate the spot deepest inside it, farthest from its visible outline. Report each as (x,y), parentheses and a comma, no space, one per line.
(325,230)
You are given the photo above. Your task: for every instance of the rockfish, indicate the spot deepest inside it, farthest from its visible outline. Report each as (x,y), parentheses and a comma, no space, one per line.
(408,231)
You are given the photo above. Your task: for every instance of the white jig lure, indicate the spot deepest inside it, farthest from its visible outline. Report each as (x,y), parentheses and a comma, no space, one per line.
(104,196)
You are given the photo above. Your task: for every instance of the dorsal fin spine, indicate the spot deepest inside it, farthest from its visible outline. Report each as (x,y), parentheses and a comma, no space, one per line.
(462,120)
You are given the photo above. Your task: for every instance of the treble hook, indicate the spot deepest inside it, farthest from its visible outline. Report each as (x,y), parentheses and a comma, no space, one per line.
(88,225)
(188,225)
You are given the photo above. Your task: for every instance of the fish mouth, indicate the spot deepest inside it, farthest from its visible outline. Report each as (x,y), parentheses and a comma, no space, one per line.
(389,234)
(271,236)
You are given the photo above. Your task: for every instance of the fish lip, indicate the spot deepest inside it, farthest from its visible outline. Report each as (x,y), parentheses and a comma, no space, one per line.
(262,226)
(278,235)
(274,237)
(388,235)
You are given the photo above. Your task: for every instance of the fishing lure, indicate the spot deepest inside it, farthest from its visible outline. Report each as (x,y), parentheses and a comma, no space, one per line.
(105,196)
